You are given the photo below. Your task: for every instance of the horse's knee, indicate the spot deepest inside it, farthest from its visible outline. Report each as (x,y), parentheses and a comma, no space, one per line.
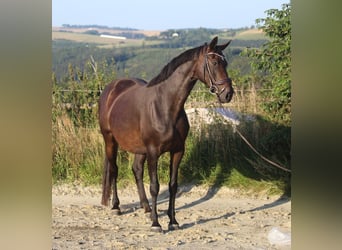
(138,172)
(154,189)
(173,187)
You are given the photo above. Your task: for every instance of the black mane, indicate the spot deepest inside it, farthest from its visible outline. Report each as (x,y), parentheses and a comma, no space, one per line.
(174,64)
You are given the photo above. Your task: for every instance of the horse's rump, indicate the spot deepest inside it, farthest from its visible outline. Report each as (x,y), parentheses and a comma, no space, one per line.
(111,92)
(116,116)
(115,88)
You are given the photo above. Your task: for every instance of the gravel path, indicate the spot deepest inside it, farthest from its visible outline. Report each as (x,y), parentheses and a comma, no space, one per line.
(209,219)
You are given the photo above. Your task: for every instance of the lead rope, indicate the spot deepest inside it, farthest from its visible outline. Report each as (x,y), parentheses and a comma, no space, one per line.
(261,156)
(254,150)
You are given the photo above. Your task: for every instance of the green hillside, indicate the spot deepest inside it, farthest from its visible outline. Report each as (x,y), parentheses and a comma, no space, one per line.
(144,53)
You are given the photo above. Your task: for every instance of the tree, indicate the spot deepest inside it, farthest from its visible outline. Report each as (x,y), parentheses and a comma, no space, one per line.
(273,62)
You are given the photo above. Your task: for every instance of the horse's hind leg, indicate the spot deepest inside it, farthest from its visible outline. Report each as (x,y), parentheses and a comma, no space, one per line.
(175,159)
(138,170)
(110,174)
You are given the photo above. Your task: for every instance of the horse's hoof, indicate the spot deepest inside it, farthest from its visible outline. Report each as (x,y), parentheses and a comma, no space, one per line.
(174,227)
(116,211)
(157,229)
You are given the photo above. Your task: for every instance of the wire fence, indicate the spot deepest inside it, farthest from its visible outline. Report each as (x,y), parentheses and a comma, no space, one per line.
(245,100)
(199,91)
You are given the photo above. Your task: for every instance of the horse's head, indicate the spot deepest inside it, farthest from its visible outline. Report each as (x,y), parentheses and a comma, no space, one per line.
(211,69)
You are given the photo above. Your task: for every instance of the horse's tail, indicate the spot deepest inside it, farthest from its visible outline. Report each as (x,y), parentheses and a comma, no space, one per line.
(107,182)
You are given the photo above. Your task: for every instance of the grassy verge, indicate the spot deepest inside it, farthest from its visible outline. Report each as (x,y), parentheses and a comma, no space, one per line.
(215,156)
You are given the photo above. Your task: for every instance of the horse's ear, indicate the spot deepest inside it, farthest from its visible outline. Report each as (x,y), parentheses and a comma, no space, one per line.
(213,43)
(223,46)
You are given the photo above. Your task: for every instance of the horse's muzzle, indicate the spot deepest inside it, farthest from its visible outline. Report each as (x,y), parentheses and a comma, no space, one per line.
(226,96)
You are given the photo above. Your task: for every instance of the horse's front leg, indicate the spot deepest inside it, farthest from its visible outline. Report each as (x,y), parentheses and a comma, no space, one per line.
(175,159)
(152,160)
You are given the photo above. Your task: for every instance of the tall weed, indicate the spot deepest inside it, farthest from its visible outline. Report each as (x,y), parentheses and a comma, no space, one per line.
(215,154)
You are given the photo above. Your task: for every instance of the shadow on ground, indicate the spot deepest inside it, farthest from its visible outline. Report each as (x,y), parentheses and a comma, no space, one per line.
(217,150)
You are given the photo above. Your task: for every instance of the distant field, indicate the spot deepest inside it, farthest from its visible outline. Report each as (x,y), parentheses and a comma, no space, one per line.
(111,31)
(102,41)
(252,34)
(85,38)
(77,35)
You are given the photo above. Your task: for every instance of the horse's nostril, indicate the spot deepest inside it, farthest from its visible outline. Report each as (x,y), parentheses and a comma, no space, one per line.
(229,96)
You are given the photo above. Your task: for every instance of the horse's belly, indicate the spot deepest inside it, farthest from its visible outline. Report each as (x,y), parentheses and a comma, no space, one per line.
(129,141)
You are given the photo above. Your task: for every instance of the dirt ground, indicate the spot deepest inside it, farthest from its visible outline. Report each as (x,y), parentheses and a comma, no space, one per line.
(209,219)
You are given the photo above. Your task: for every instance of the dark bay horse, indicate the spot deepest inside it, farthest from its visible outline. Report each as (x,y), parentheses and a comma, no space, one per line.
(148,119)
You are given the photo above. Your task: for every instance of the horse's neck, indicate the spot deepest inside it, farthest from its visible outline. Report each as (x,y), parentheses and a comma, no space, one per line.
(176,89)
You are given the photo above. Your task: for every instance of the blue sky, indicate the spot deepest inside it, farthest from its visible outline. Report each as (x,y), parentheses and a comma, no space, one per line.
(162,15)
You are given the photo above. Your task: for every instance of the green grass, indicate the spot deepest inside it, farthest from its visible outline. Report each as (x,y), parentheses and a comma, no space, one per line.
(214,156)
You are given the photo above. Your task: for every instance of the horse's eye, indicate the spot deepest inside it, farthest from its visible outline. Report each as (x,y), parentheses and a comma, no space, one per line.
(214,63)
